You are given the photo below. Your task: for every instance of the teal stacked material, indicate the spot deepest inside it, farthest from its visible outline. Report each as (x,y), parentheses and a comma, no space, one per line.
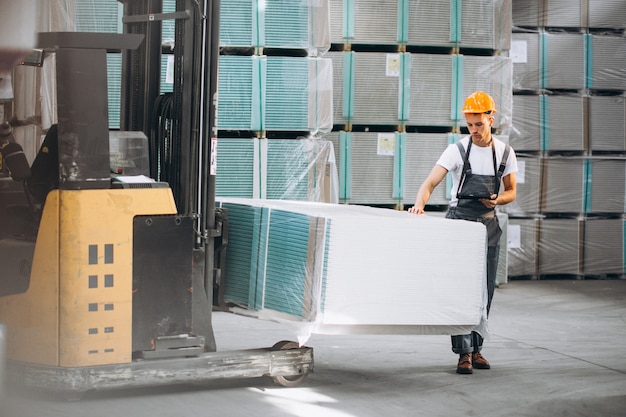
(238,23)
(240,95)
(315,263)
(288,169)
(286,24)
(245,237)
(287,93)
(236,167)
(275,260)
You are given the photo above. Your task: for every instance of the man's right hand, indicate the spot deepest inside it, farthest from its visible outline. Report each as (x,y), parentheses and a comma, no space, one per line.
(416,210)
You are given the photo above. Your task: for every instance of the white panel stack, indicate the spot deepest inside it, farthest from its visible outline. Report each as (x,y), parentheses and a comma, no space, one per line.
(560,246)
(607,14)
(429,23)
(492,30)
(375,22)
(604,247)
(564,123)
(526,75)
(606,185)
(522,238)
(564,180)
(422,152)
(528,188)
(376,88)
(526,131)
(491,74)
(607,62)
(564,63)
(384,272)
(371,168)
(337,59)
(431,90)
(607,123)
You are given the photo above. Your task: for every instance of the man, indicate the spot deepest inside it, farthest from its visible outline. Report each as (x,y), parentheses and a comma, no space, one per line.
(479,163)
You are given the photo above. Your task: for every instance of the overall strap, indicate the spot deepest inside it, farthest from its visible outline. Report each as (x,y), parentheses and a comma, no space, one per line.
(505,156)
(467,168)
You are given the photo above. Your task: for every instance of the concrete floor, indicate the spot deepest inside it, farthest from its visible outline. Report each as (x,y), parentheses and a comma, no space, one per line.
(557,349)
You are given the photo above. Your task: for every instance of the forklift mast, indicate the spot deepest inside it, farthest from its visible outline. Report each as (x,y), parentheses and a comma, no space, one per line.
(180,126)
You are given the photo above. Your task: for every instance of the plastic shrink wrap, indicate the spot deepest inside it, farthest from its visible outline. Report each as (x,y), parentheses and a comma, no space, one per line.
(327,268)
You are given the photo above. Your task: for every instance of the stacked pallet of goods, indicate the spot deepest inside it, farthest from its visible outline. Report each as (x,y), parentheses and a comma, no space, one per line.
(402,69)
(569,106)
(275,99)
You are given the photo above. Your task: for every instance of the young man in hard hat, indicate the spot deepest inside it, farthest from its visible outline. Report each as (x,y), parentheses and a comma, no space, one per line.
(479,163)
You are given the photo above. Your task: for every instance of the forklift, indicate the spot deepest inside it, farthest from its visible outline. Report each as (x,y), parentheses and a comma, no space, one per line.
(109,278)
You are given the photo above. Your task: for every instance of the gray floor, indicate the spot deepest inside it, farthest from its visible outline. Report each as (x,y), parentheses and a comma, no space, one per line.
(558,348)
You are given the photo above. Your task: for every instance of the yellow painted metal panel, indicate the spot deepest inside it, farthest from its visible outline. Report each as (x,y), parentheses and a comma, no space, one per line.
(96,259)
(32,317)
(78,308)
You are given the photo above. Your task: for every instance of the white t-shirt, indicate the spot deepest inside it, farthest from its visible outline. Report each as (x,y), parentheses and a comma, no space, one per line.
(480,159)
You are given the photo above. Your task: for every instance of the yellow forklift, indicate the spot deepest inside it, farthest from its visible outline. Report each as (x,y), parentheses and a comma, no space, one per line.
(109,278)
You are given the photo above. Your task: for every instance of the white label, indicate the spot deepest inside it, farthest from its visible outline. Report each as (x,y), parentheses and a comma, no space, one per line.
(169,70)
(393,65)
(514,236)
(519,52)
(213,166)
(386,144)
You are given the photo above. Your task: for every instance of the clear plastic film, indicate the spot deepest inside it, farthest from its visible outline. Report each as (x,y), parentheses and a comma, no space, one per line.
(302,169)
(276,93)
(570,13)
(343,269)
(283,24)
(566,246)
(549,59)
(569,186)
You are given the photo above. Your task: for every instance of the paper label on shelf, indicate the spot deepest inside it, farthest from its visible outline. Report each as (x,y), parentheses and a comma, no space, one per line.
(519,52)
(393,65)
(169,70)
(514,236)
(386,144)
(521,172)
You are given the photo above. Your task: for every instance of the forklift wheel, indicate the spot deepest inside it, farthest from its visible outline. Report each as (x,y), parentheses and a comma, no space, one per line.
(292,380)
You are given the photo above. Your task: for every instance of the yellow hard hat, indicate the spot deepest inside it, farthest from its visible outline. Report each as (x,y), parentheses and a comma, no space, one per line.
(479,102)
